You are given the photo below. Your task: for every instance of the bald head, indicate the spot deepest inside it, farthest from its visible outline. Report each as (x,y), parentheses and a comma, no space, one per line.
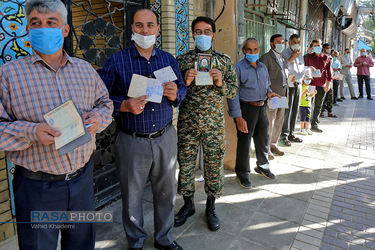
(146,12)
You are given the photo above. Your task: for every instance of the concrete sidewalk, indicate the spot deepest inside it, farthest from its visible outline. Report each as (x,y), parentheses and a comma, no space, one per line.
(323,196)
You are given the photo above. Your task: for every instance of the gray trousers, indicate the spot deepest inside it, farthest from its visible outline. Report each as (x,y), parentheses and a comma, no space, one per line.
(348,79)
(276,121)
(136,160)
(290,115)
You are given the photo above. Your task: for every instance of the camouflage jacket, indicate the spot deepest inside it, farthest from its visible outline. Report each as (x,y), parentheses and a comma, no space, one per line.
(208,100)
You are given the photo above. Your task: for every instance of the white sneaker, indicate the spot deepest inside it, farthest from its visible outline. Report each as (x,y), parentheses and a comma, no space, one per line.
(309,132)
(303,132)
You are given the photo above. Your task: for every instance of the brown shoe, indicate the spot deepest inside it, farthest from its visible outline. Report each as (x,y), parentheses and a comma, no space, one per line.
(270,156)
(276,151)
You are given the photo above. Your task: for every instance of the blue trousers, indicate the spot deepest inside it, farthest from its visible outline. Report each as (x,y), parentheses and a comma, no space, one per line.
(74,195)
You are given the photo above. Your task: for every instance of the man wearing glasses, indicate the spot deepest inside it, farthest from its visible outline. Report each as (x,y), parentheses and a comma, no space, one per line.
(201,120)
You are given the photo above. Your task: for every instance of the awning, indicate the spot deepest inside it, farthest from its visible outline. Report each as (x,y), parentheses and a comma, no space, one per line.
(347,7)
(333,5)
(362,45)
(350,30)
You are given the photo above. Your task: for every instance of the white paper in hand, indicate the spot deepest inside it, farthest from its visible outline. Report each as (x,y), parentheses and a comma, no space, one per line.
(311,89)
(165,75)
(141,85)
(277,102)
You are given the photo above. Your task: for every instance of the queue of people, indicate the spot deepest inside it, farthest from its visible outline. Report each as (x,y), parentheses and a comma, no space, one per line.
(147,146)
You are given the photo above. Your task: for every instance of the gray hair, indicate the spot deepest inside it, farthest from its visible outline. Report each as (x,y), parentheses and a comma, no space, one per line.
(47,6)
(249,40)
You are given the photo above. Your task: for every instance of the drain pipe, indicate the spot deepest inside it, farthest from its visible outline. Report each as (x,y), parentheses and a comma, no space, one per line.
(241,28)
(303,30)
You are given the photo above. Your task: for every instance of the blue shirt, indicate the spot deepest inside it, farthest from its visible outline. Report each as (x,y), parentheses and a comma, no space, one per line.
(297,67)
(336,64)
(117,73)
(254,84)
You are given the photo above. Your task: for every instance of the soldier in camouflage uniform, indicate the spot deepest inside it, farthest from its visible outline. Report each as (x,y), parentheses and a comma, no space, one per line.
(201,120)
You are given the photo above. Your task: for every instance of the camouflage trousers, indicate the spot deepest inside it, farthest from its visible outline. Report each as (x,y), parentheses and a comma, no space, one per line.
(213,144)
(328,100)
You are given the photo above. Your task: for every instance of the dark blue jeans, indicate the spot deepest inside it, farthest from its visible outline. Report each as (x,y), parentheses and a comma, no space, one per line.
(362,78)
(74,195)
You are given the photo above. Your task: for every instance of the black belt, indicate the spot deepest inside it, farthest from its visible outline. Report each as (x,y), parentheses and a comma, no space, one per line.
(258,103)
(41,176)
(151,135)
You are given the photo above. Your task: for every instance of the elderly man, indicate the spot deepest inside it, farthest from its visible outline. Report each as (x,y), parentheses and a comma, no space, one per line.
(322,79)
(249,110)
(297,69)
(277,66)
(44,179)
(201,120)
(146,146)
(346,63)
(363,64)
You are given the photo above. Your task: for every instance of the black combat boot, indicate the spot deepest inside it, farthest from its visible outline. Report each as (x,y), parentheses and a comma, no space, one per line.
(187,210)
(213,221)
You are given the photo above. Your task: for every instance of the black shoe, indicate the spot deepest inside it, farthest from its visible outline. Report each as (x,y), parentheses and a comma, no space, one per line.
(187,210)
(370,98)
(265,172)
(354,98)
(339,100)
(173,246)
(361,96)
(244,182)
(343,98)
(135,248)
(335,104)
(316,129)
(213,221)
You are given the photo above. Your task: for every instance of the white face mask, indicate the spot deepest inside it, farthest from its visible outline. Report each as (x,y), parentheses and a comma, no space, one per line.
(279,48)
(144,42)
(295,47)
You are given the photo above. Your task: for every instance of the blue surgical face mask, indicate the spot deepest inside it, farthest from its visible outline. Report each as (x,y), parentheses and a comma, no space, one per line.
(46,40)
(203,42)
(363,53)
(334,58)
(252,57)
(317,49)
(307,81)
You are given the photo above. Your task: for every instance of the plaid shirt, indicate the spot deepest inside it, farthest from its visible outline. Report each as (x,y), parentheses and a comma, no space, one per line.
(117,73)
(29,89)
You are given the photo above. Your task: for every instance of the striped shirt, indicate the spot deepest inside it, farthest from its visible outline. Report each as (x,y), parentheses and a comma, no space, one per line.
(117,73)
(29,89)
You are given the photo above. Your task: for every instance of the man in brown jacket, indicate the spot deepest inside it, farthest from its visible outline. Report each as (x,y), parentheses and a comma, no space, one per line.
(277,66)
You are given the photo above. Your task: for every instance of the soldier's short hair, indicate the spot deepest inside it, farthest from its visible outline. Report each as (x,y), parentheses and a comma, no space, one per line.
(203,19)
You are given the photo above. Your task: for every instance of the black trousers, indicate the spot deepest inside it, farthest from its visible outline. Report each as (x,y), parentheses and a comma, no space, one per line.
(362,78)
(318,102)
(290,115)
(257,125)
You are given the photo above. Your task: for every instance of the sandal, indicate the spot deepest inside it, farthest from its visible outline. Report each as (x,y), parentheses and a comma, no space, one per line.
(294,139)
(332,115)
(286,142)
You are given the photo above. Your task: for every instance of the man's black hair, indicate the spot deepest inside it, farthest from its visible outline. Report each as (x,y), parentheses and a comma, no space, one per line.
(326,45)
(274,37)
(294,36)
(314,41)
(203,19)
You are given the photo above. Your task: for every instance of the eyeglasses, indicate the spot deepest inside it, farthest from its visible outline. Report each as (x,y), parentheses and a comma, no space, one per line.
(199,32)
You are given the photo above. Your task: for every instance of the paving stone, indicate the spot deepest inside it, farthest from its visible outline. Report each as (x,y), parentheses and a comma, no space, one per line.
(317,213)
(340,215)
(351,239)
(321,198)
(308,239)
(325,246)
(335,242)
(311,232)
(303,245)
(342,204)
(330,232)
